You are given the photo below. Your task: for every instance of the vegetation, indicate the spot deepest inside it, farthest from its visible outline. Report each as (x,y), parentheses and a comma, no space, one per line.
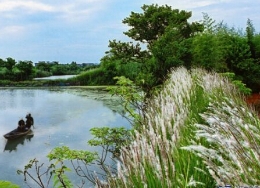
(162,39)
(13,71)
(191,125)
(196,132)
(8,184)
(57,172)
(184,137)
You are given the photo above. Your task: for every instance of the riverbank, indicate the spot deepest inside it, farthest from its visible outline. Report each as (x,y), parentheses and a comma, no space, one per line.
(104,88)
(48,83)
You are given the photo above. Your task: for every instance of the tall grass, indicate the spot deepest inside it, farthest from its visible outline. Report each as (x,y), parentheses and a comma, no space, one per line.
(197,132)
(93,77)
(232,131)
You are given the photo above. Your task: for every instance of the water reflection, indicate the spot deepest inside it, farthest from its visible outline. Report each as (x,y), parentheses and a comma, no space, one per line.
(62,117)
(11,145)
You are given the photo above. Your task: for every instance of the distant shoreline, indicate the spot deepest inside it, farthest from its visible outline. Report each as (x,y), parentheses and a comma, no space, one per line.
(67,87)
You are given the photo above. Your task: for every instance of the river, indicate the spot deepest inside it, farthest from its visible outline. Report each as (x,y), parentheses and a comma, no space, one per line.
(62,117)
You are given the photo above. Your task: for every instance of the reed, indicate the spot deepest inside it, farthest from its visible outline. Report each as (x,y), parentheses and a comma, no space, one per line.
(232,132)
(196,132)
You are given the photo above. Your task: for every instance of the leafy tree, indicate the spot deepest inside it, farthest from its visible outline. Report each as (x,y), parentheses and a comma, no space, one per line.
(23,70)
(256,41)
(150,25)
(170,50)
(10,63)
(4,73)
(207,48)
(43,66)
(209,24)
(125,51)
(73,67)
(58,69)
(165,34)
(6,67)
(250,30)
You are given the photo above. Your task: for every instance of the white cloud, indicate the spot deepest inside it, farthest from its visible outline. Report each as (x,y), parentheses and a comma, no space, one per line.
(31,6)
(13,30)
(69,10)
(187,4)
(81,10)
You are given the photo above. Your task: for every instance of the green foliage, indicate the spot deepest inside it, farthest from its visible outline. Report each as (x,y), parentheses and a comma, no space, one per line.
(256,42)
(238,83)
(155,157)
(250,30)
(97,76)
(7,184)
(167,33)
(58,69)
(115,138)
(61,180)
(170,50)
(207,52)
(42,73)
(57,170)
(65,153)
(209,24)
(150,25)
(132,96)
(125,52)
(23,70)
(169,41)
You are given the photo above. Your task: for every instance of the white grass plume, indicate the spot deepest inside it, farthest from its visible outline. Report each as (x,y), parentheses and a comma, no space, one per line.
(227,141)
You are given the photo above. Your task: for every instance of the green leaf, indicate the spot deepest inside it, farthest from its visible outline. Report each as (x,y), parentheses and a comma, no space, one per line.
(7,184)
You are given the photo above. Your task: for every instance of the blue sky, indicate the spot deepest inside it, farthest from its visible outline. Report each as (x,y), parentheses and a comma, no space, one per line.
(79,30)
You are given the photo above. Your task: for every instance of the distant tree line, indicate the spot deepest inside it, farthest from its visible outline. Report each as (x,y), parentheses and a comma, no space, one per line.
(162,38)
(24,70)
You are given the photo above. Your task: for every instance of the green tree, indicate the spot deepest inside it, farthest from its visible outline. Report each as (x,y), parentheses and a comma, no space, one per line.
(150,25)
(43,66)
(256,41)
(165,35)
(207,49)
(6,67)
(73,67)
(9,63)
(58,69)
(250,30)
(23,70)
(4,73)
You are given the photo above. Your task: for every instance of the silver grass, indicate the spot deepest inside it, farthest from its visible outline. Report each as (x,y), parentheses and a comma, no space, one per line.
(228,142)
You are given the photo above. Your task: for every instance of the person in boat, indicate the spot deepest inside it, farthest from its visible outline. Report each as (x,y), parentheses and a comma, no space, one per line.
(29,121)
(21,125)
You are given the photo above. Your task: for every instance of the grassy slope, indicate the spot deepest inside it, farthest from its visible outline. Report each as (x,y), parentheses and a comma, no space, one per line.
(197,131)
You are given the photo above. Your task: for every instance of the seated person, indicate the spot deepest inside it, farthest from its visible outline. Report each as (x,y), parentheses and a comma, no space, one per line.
(21,125)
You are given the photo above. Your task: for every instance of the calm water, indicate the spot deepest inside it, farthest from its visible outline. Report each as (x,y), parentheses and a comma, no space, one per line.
(62,117)
(55,77)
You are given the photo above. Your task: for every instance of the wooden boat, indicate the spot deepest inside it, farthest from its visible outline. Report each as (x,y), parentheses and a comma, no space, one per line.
(16,133)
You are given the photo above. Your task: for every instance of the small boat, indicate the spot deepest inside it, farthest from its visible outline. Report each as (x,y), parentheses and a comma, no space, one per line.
(16,133)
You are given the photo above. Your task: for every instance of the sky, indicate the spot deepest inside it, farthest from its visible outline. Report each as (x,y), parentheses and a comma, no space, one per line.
(80,30)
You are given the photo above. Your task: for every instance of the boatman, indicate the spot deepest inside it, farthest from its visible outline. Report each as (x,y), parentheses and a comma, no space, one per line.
(29,121)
